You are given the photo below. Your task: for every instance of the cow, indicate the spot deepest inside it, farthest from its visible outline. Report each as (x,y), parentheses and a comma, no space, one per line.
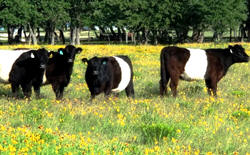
(59,69)
(109,74)
(194,64)
(23,67)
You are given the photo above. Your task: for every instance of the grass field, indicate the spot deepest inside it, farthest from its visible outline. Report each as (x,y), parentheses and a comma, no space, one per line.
(192,123)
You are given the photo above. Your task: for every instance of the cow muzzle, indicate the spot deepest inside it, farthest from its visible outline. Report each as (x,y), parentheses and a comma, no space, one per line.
(42,66)
(95,72)
(70,60)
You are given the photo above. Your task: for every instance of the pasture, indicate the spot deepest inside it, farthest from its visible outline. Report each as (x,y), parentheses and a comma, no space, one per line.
(192,123)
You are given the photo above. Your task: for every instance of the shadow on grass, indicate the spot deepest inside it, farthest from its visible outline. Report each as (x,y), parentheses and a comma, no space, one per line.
(6,93)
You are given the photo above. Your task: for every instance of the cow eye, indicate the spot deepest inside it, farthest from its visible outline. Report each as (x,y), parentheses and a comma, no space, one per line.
(104,62)
(61,52)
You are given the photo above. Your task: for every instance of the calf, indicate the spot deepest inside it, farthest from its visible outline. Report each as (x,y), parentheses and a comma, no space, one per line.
(59,69)
(106,74)
(191,64)
(23,67)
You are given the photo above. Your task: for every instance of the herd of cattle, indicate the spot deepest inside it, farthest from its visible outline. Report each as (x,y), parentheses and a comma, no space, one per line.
(27,68)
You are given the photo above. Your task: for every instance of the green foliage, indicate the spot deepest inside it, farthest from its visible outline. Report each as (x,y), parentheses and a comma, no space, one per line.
(240,115)
(168,20)
(238,93)
(156,132)
(14,12)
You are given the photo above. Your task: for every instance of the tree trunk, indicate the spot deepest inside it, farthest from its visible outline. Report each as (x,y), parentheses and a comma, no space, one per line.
(72,35)
(88,35)
(32,36)
(114,36)
(38,34)
(52,36)
(145,36)
(10,34)
(126,37)
(18,37)
(135,37)
(155,40)
(181,35)
(198,35)
(46,37)
(96,34)
(248,34)
(102,33)
(119,34)
(230,36)
(62,36)
(56,36)
(78,31)
(25,35)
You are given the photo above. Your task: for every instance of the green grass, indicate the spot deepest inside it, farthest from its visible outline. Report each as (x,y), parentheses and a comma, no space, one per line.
(191,123)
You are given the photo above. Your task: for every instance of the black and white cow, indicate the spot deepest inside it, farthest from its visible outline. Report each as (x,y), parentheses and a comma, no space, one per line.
(23,67)
(191,64)
(59,68)
(109,74)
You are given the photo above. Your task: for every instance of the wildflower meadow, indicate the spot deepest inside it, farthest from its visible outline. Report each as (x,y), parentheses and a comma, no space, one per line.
(191,123)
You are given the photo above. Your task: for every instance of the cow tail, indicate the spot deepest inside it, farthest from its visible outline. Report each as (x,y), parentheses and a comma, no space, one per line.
(163,67)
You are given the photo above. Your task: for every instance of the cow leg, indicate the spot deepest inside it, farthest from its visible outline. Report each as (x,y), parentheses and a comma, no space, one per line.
(60,96)
(174,83)
(130,89)
(163,84)
(108,88)
(92,96)
(211,86)
(56,89)
(37,90)
(27,90)
(14,88)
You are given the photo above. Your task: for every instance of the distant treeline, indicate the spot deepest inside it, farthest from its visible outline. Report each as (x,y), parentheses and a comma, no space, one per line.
(139,21)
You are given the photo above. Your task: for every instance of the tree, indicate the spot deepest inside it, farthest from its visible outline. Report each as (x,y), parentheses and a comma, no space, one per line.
(247,22)
(53,17)
(218,15)
(14,13)
(80,15)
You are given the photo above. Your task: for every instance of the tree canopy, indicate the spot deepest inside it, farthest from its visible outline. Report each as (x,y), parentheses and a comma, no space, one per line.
(150,21)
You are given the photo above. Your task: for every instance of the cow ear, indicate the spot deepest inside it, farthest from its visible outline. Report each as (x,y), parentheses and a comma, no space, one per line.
(84,60)
(32,55)
(78,50)
(230,48)
(51,54)
(60,51)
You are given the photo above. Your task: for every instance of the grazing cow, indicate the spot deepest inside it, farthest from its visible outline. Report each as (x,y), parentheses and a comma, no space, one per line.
(191,64)
(59,69)
(106,74)
(23,67)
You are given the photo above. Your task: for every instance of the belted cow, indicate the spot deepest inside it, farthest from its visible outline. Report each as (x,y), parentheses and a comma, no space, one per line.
(23,67)
(191,64)
(109,74)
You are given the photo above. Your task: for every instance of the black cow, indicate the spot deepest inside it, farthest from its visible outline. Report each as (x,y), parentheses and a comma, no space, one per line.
(191,64)
(59,68)
(106,74)
(27,71)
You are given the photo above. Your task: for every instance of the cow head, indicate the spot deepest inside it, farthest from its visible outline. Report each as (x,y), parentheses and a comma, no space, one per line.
(239,54)
(96,65)
(40,56)
(69,52)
